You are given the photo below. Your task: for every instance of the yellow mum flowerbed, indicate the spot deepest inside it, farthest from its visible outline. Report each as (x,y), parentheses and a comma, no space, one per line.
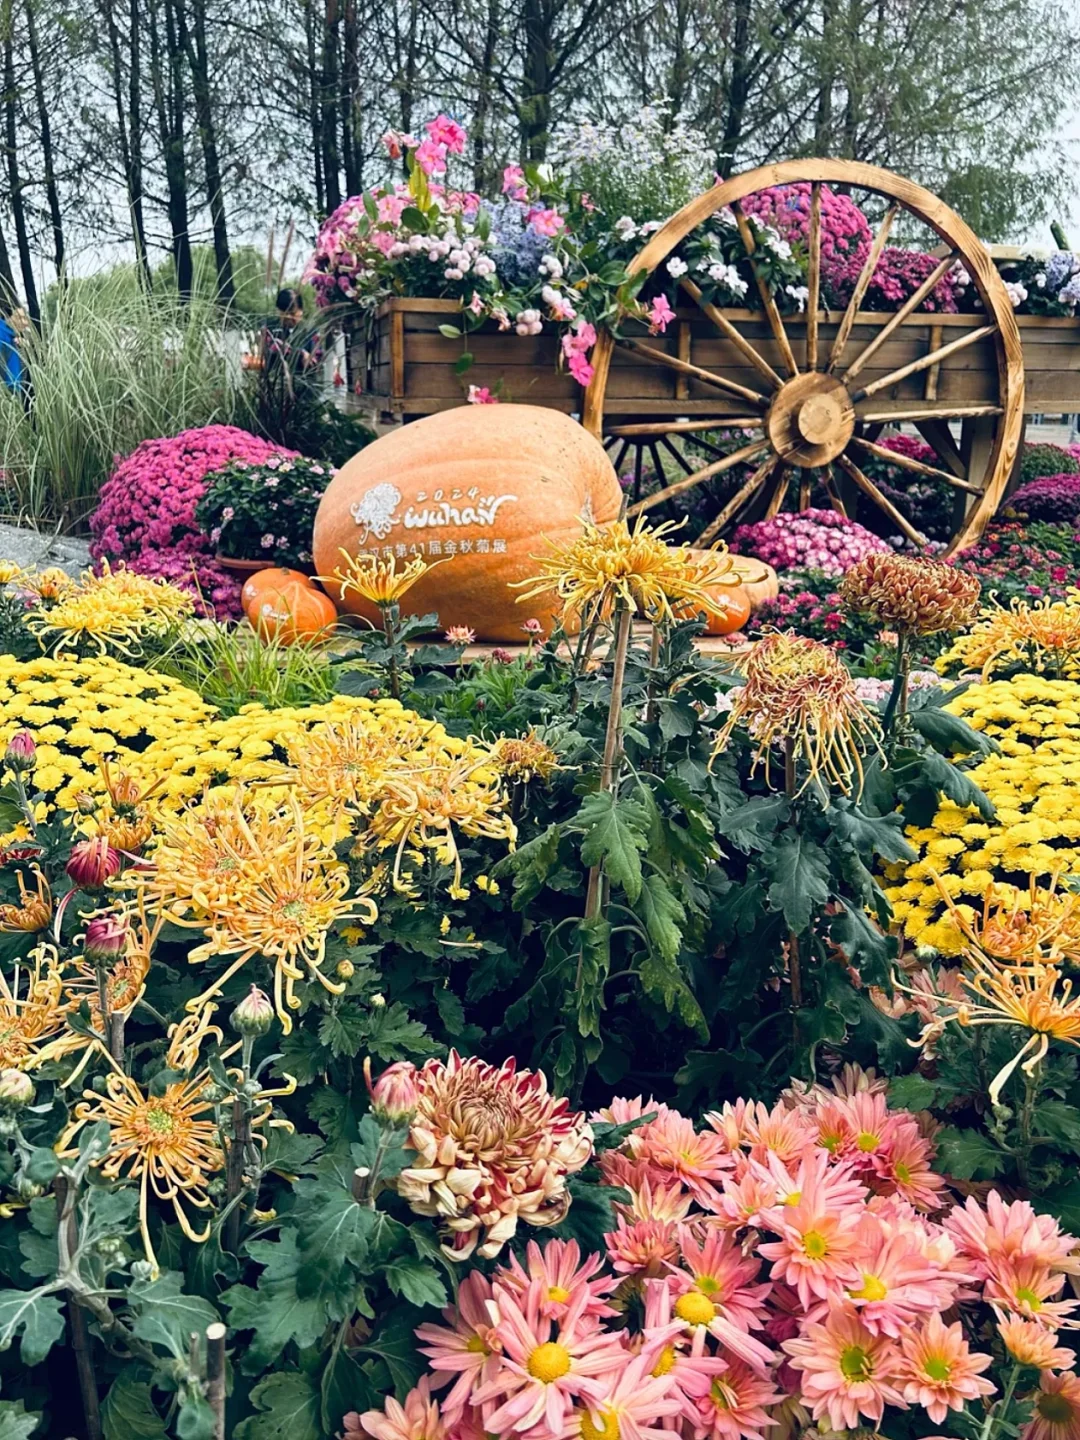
(1034,785)
(79,710)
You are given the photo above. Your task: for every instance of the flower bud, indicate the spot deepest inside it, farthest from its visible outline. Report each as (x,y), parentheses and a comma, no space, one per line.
(105,939)
(396,1093)
(345,969)
(254,1015)
(16,1091)
(21,752)
(92,863)
(85,803)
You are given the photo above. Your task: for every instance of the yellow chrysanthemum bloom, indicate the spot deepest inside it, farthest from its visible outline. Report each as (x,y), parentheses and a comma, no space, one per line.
(375,578)
(115,610)
(32,1009)
(635,568)
(1043,636)
(1034,786)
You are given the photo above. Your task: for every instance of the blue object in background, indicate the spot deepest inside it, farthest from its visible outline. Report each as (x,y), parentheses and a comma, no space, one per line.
(11,365)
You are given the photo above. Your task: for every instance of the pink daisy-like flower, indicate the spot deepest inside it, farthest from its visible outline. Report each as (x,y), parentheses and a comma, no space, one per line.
(897,1283)
(622,1111)
(544,1371)
(1024,1287)
(467,1346)
(1035,1345)
(906,1168)
(938,1370)
(1009,1231)
(735,1404)
(417,1419)
(780,1131)
(846,1370)
(1056,1412)
(817,1253)
(643,1248)
(671,1150)
(718,1269)
(563,1278)
(636,1399)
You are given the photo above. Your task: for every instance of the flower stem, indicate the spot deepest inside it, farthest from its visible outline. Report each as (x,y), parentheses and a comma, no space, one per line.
(390,618)
(1002,1407)
(898,695)
(67,1243)
(1027,1111)
(794,961)
(609,766)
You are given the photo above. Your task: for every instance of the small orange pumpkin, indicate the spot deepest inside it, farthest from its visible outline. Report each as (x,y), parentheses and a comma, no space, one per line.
(733,610)
(268,583)
(292,612)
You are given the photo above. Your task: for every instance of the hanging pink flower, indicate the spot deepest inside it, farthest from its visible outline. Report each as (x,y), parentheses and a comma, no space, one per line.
(447,133)
(431,157)
(481,395)
(513,183)
(660,315)
(546,222)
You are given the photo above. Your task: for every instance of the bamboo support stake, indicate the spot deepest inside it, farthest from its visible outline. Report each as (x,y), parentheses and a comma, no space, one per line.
(215,1376)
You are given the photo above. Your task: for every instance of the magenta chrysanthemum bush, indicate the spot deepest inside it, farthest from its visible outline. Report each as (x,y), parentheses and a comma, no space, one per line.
(216,591)
(1051,497)
(898,274)
(148,502)
(774,1258)
(811,540)
(845,234)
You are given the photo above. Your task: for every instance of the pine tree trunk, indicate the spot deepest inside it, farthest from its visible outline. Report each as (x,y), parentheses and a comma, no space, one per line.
(52,194)
(314,113)
(194,41)
(169,108)
(350,101)
(482,112)
(8,293)
(534,108)
(329,96)
(132,181)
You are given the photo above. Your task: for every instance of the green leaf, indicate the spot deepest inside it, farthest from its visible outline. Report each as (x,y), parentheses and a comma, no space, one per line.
(1055,1120)
(799,869)
(43,1166)
(275,1312)
(332,1231)
(752,826)
(863,943)
(414,218)
(165,1315)
(395,1343)
(38,1317)
(615,833)
(196,1419)
(948,734)
(1064,1202)
(881,835)
(288,1406)
(967,1155)
(344,1387)
(16,1423)
(463,362)
(911,1092)
(450,332)
(343,1029)
(417,1282)
(663,914)
(129,1412)
(390,1139)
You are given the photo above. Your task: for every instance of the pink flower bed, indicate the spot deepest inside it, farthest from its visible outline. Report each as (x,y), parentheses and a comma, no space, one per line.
(845,234)
(146,512)
(812,540)
(782,1257)
(898,275)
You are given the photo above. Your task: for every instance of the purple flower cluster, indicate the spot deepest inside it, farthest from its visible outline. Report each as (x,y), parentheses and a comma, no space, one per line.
(216,591)
(845,234)
(813,540)
(1051,497)
(898,275)
(146,510)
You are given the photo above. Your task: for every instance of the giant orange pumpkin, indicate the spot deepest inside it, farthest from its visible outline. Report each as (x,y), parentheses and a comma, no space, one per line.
(295,611)
(267,585)
(480,488)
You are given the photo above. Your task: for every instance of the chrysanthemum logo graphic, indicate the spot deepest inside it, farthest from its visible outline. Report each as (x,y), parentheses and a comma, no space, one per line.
(375,510)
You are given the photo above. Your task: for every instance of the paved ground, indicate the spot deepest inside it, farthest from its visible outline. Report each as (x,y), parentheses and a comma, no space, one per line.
(32,548)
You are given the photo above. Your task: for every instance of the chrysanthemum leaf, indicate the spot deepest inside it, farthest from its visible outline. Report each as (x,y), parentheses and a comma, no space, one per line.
(39,1319)
(799,870)
(165,1316)
(616,831)
(288,1406)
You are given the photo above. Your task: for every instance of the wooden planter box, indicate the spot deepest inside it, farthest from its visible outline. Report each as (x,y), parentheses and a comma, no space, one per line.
(407,368)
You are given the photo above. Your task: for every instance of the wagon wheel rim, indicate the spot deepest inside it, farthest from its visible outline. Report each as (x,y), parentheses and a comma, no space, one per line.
(812,408)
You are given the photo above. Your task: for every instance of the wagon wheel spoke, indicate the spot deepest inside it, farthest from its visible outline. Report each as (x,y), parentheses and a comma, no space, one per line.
(924,363)
(862,284)
(931,412)
(684,367)
(746,452)
(621,456)
(677,455)
(939,437)
(867,486)
(779,490)
(727,329)
(828,481)
(911,304)
(905,462)
(740,498)
(767,300)
(658,464)
(683,427)
(813,277)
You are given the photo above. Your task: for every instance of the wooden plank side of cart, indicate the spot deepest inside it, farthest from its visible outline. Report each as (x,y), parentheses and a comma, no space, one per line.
(408,367)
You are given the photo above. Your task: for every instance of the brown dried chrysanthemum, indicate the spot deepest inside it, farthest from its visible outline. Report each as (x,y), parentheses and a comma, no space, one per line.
(798,694)
(911,596)
(524,758)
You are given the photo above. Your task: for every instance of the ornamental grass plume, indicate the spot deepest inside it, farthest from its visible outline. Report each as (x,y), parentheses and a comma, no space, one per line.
(616,566)
(799,695)
(168,1142)
(493,1148)
(911,596)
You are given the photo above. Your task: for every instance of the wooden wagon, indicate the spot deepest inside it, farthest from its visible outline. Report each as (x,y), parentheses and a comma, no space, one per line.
(817,388)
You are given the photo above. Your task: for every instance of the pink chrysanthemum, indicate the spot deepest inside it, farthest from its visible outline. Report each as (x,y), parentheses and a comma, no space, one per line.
(546,1371)
(817,1253)
(1035,1345)
(621,1111)
(1026,1288)
(642,1248)
(670,1150)
(1056,1412)
(718,1269)
(563,1278)
(938,1371)
(897,1284)
(417,1419)
(467,1346)
(735,1404)
(635,1400)
(1009,1231)
(846,1370)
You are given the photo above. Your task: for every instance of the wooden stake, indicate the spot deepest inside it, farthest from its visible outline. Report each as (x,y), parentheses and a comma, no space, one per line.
(215,1376)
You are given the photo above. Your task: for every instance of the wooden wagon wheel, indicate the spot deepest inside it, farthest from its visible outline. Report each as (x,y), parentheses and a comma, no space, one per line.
(811,402)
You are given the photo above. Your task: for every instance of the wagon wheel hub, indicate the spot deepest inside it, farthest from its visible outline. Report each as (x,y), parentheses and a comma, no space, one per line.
(811,419)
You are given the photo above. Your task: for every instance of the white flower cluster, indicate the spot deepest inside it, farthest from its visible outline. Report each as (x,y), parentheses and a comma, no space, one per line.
(463,254)
(529,322)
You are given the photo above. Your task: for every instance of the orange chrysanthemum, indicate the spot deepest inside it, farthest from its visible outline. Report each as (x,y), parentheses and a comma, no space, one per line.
(911,596)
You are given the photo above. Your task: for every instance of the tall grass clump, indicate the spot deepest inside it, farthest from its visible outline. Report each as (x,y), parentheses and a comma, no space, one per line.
(109,366)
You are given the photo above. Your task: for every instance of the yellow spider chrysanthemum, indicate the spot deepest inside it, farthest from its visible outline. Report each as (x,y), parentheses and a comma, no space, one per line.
(32,1013)
(167,1142)
(614,565)
(345,762)
(113,610)
(256,881)
(33,911)
(1044,636)
(375,578)
(1018,929)
(799,695)
(10,572)
(425,807)
(524,758)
